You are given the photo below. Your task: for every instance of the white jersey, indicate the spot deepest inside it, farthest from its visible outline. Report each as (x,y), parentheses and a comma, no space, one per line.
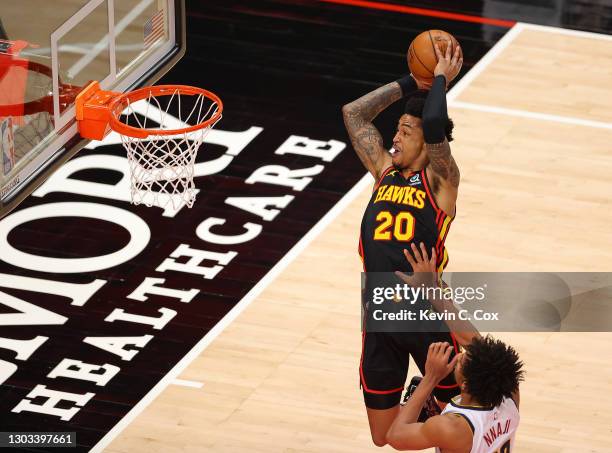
(493,428)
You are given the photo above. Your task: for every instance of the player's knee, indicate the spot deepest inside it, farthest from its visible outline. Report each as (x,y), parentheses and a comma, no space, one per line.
(380,440)
(379,437)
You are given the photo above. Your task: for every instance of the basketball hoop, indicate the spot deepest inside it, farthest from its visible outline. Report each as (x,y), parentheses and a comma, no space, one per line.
(161,158)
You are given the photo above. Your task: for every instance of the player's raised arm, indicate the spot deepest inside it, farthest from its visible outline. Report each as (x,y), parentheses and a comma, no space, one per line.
(435,120)
(358,116)
(441,431)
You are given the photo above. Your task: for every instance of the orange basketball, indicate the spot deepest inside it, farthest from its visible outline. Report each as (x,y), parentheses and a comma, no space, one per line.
(421,55)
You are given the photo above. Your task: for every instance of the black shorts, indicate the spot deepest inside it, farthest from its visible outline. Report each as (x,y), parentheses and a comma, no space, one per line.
(384,365)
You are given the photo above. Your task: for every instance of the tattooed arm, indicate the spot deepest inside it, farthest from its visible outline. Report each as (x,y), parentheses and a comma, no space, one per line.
(443,164)
(366,139)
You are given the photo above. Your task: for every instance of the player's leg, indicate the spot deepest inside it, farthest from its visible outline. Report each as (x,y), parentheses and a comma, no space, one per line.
(382,371)
(380,421)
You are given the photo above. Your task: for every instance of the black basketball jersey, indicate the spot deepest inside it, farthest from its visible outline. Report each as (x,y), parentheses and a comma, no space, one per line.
(401,210)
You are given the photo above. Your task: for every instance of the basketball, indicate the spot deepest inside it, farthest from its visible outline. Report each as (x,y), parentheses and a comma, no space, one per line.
(422,58)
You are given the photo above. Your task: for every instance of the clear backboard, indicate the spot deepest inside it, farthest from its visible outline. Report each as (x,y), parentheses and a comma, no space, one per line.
(49,51)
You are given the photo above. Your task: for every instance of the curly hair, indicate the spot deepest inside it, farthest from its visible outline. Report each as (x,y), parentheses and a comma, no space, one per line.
(414,107)
(492,370)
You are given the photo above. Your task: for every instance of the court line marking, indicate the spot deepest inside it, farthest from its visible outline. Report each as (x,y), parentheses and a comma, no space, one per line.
(485,61)
(531,115)
(188,383)
(565,31)
(298,248)
(504,42)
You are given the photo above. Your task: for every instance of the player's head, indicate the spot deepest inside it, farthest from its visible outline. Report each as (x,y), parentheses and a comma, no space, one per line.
(408,141)
(489,370)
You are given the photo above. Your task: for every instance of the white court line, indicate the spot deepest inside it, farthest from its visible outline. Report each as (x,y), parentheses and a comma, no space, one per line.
(565,31)
(531,115)
(494,52)
(330,216)
(186,383)
(485,61)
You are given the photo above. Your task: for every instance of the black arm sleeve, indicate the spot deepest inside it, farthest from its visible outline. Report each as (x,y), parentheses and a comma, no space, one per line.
(407,84)
(435,115)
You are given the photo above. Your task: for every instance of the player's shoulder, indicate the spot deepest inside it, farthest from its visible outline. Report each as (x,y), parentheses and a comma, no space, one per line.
(450,430)
(388,171)
(454,421)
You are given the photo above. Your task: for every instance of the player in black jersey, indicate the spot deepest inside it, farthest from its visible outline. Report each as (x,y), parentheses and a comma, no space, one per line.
(413,201)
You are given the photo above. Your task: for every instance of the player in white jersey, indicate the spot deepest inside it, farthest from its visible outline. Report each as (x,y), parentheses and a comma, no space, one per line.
(482,419)
(493,428)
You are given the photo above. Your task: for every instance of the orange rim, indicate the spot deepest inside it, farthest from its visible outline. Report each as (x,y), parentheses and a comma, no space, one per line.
(117,106)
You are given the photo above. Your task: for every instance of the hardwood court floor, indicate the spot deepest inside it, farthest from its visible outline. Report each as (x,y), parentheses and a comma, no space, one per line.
(534,197)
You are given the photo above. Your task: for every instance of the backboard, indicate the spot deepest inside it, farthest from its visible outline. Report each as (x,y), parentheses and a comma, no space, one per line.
(49,51)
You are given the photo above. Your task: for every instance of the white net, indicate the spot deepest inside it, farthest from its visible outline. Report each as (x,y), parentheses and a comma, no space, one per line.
(162,166)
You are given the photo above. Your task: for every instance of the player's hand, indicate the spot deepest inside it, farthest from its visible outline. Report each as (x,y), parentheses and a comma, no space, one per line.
(447,65)
(423,266)
(421,85)
(437,366)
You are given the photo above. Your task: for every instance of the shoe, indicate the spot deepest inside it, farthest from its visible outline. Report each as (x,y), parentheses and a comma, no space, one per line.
(430,408)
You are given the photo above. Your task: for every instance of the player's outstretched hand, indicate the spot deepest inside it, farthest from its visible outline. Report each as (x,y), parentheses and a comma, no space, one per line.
(447,65)
(437,366)
(423,266)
